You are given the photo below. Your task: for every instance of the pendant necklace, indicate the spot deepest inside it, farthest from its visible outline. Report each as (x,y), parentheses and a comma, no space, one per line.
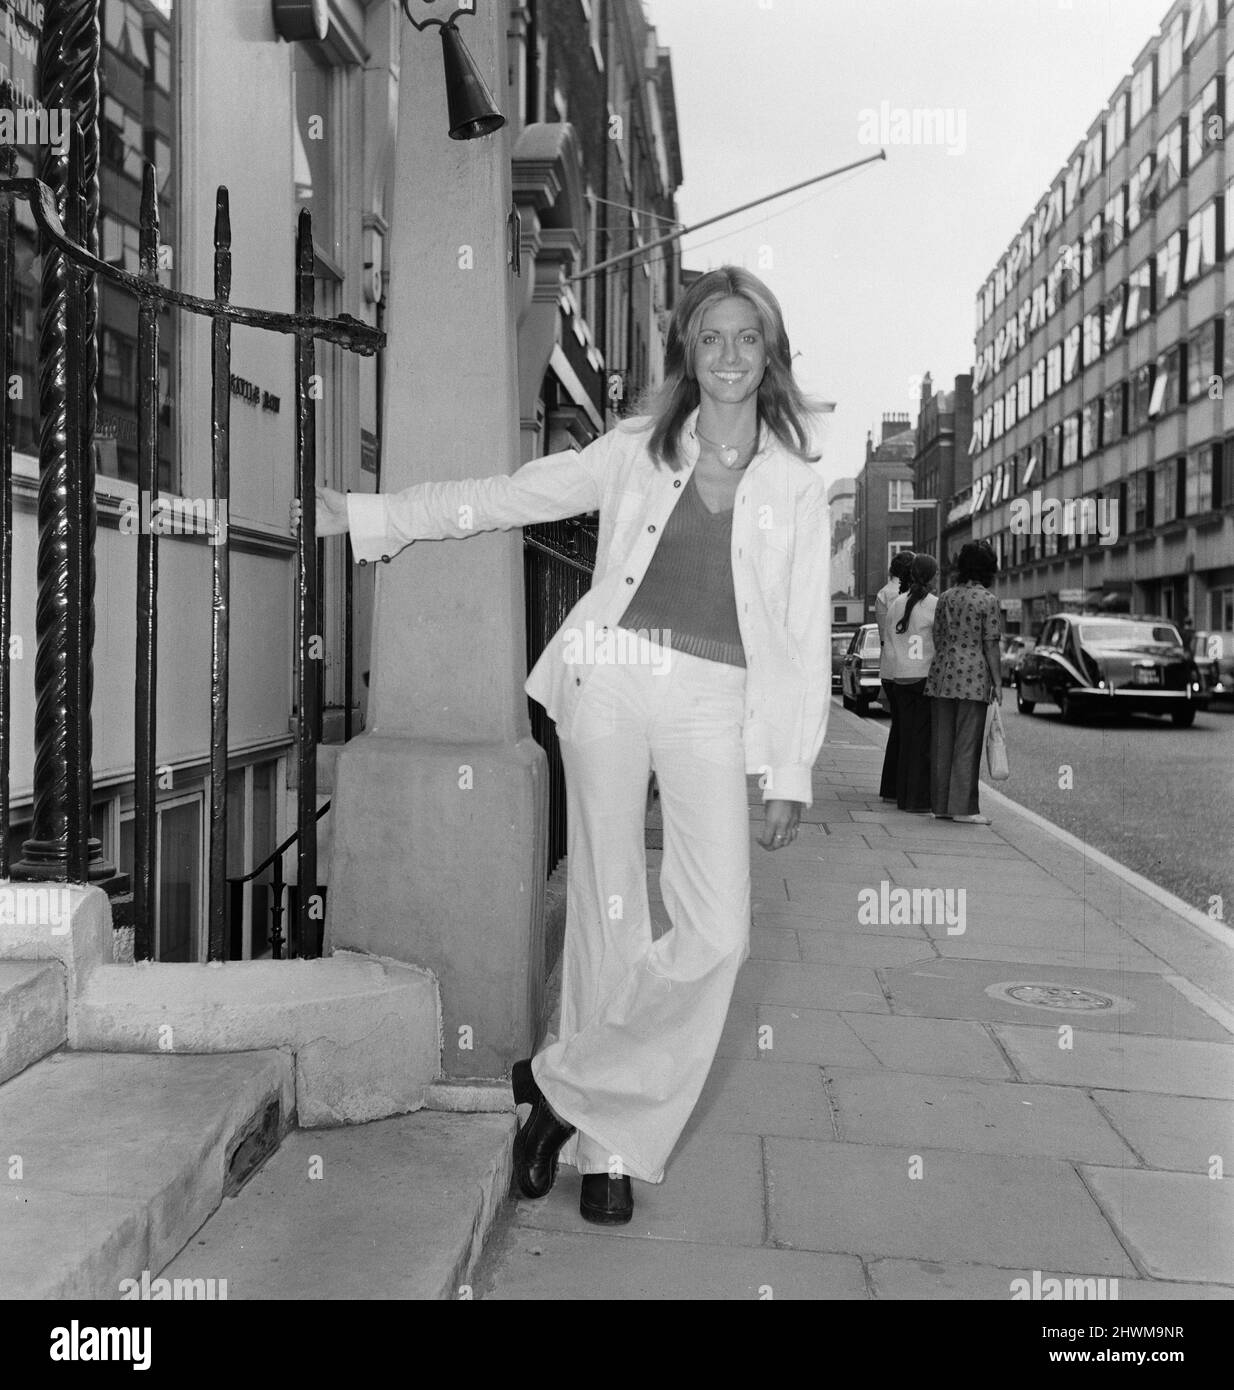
(728,453)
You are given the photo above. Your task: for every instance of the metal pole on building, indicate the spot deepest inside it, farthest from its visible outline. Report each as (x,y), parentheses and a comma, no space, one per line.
(720,217)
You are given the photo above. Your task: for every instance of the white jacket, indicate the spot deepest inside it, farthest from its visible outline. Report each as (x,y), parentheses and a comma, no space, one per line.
(781,544)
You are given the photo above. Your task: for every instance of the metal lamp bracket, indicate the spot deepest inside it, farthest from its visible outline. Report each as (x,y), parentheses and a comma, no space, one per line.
(424,13)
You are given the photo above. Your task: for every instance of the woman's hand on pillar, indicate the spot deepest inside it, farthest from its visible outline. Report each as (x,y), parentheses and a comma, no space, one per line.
(780,823)
(331,512)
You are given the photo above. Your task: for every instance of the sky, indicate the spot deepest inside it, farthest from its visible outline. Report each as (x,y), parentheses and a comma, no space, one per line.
(878,270)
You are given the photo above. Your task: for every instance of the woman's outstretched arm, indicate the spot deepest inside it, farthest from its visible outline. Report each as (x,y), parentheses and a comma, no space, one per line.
(544,489)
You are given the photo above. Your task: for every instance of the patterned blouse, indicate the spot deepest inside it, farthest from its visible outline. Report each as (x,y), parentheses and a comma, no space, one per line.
(967,615)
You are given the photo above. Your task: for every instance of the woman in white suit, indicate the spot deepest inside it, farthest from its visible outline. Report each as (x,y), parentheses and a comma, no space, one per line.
(702,651)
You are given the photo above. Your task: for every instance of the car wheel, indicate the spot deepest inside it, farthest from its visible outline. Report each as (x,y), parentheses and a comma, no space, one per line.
(862,708)
(1067,708)
(1183,718)
(1023,705)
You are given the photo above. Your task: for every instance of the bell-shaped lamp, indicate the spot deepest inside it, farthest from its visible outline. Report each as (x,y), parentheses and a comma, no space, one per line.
(472,110)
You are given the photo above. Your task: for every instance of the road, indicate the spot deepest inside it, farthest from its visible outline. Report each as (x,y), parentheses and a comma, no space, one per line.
(1156,798)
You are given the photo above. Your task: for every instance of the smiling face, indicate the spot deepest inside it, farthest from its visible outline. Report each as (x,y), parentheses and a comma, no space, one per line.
(730,356)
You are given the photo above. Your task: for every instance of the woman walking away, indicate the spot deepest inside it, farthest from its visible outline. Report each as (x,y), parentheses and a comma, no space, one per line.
(910,624)
(703,652)
(897,577)
(964,678)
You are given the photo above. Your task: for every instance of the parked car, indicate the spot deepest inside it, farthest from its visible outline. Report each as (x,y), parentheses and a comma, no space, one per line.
(841,639)
(1085,663)
(1213,653)
(1012,652)
(860,681)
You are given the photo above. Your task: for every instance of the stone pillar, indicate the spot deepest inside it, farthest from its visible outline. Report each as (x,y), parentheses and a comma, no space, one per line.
(441,808)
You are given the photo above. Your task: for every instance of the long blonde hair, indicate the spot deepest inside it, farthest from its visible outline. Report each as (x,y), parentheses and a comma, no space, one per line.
(781,402)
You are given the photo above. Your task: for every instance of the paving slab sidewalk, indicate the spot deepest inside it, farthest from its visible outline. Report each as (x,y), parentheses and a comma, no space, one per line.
(903,1110)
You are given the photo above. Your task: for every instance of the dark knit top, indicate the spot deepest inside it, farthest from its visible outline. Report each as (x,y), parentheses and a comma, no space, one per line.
(688,586)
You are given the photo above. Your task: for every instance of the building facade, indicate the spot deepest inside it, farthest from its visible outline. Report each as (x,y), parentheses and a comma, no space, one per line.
(591,95)
(942,471)
(214,96)
(883,521)
(842,499)
(1102,442)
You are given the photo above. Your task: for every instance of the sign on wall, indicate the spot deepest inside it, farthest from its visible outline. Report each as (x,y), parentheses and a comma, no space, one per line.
(21,23)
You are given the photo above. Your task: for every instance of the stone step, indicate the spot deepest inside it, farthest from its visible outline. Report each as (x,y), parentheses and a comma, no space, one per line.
(364,1033)
(33,1013)
(113,1161)
(394,1209)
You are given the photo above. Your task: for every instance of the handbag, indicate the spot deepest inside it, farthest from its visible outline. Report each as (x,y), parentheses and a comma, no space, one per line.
(996,744)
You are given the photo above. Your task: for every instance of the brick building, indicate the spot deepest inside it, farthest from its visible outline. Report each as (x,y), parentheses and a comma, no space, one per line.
(883,522)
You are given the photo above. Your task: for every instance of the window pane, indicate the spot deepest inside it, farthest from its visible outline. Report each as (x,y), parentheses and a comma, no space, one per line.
(179,882)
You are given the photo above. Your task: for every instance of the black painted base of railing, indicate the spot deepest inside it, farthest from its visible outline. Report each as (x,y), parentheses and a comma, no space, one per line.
(44,861)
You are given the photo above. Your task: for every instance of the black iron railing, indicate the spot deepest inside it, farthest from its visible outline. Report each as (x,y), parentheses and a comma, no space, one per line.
(298,944)
(558,560)
(59,847)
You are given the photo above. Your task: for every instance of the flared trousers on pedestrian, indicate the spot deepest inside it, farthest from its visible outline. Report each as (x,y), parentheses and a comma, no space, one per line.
(957,730)
(641,1019)
(911,711)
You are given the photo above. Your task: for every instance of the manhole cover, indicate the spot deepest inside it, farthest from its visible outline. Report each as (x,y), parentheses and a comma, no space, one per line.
(1058,998)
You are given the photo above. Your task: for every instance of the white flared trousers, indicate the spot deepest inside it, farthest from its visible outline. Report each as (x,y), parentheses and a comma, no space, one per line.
(641,1019)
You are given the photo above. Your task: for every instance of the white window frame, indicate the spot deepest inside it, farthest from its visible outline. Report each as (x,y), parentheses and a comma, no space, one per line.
(895,494)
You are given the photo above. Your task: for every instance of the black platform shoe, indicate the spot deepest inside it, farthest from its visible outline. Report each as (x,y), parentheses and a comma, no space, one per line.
(606,1201)
(538,1143)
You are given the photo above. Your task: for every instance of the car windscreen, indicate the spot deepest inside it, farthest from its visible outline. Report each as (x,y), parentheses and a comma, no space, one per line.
(1129,635)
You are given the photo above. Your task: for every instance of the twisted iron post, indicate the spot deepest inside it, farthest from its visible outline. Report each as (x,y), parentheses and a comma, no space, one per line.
(60,846)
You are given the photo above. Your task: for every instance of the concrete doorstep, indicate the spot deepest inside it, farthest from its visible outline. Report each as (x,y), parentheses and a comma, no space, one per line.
(112,1161)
